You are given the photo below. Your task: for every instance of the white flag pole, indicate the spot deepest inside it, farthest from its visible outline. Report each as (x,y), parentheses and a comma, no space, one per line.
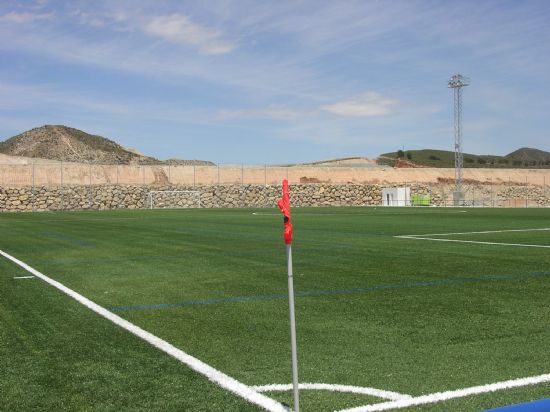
(284,205)
(292,330)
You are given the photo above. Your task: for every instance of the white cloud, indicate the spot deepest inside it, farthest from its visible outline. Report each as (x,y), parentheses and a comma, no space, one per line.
(370,104)
(178,28)
(28,97)
(89,19)
(116,20)
(20,98)
(271,112)
(24,18)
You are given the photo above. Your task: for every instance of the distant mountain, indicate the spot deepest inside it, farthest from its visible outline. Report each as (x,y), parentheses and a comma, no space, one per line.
(356,161)
(526,154)
(521,158)
(72,145)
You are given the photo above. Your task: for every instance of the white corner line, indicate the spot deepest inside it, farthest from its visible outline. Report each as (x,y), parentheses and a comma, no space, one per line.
(379,393)
(472,241)
(214,375)
(478,232)
(445,396)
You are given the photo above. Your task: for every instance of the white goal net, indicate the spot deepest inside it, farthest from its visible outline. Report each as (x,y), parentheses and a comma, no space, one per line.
(174,199)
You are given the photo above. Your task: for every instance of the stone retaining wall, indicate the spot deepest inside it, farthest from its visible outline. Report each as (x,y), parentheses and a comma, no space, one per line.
(103,197)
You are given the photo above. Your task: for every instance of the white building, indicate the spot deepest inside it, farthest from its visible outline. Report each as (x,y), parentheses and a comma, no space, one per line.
(396,196)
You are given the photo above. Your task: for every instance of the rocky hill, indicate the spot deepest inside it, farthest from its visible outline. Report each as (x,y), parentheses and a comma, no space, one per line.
(526,154)
(57,142)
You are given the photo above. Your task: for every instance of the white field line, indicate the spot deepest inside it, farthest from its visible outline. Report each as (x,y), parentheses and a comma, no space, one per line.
(471,241)
(471,233)
(379,393)
(197,365)
(24,277)
(444,396)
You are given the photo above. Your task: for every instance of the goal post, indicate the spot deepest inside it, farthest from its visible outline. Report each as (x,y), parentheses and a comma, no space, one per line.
(174,199)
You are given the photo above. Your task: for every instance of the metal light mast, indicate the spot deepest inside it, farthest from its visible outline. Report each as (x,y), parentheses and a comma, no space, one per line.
(457,82)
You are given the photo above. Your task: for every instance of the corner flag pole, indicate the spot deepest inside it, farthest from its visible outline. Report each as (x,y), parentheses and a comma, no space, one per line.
(284,205)
(292,330)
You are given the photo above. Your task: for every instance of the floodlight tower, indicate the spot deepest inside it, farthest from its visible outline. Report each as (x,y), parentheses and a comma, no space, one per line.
(457,82)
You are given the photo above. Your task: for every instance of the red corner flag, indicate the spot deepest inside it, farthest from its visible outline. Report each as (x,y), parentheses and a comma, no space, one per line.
(284,205)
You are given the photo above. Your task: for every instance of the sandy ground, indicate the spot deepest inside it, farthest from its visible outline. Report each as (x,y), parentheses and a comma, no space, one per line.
(16,171)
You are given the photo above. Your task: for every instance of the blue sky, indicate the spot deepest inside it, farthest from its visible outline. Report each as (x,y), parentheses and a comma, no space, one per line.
(278,81)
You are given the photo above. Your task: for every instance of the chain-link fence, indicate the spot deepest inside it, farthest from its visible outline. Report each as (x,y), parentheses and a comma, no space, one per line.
(66,174)
(52,173)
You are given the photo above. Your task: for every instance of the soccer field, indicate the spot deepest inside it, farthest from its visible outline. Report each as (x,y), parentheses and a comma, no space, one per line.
(393,305)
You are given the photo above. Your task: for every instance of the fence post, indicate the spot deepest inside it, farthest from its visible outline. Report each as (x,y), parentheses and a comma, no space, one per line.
(32,190)
(61,191)
(526,192)
(90,186)
(492,193)
(539,197)
(242,186)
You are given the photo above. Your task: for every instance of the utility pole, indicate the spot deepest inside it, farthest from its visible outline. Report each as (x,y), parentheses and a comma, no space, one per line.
(457,82)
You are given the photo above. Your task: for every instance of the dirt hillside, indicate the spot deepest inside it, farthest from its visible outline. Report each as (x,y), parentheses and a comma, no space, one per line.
(68,144)
(62,143)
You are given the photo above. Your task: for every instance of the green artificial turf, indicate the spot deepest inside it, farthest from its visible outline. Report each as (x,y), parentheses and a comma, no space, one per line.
(373,310)
(56,355)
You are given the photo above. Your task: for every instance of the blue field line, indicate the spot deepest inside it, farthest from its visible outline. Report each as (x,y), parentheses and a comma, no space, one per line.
(314,293)
(542,405)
